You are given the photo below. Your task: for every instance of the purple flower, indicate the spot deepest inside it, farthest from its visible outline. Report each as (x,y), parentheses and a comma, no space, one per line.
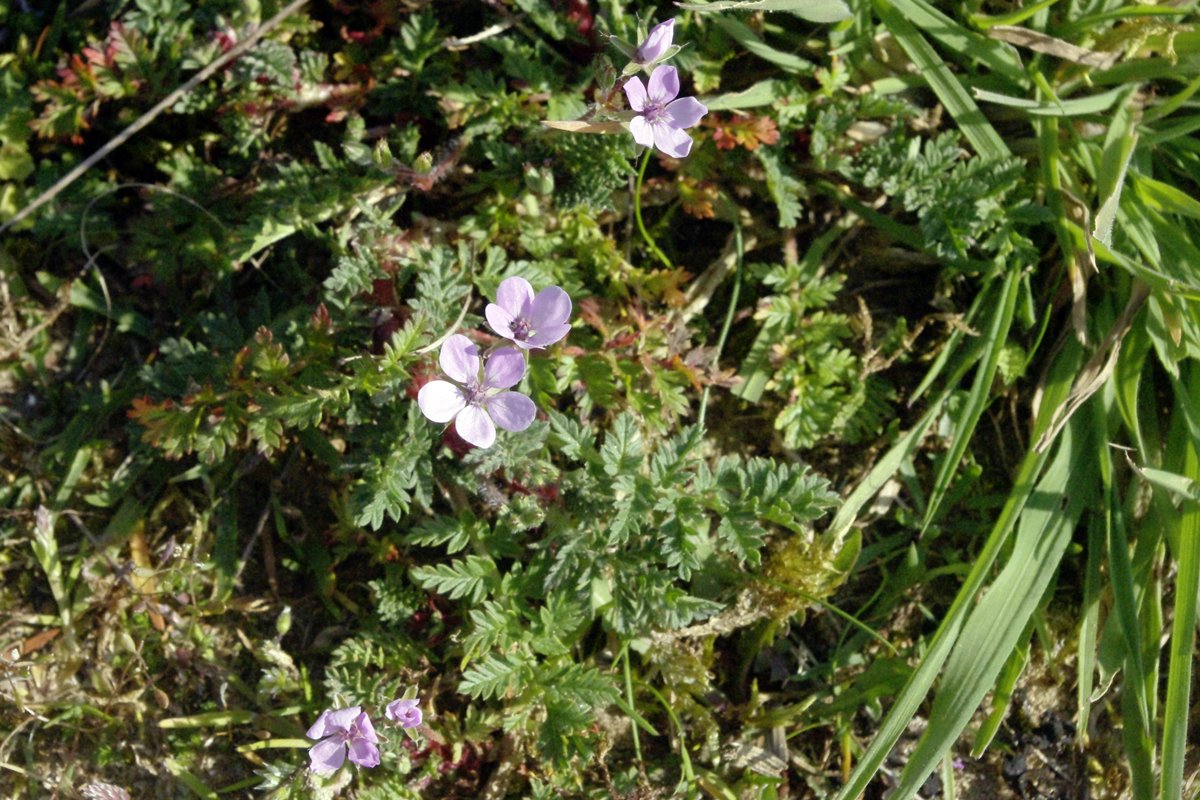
(529,321)
(405,711)
(663,117)
(658,41)
(339,731)
(476,404)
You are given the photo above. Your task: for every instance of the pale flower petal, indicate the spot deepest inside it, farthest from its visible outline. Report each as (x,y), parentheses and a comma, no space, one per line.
(658,41)
(504,368)
(326,755)
(459,359)
(552,306)
(475,427)
(514,295)
(439,401)
(512,411)
(642,133)
(685,112)
(405,711)
(320,729)
(664,84)
(499,320)
(548,335)
(364,749)
(635,93)
(673,142)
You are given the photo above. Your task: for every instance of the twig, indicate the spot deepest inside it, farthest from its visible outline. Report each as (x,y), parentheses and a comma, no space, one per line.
(145,119)
(455,43)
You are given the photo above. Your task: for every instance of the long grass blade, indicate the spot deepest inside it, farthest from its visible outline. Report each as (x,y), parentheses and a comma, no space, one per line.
(945,84)
(999,57)
(977,399)
(1183,628)
(997,622)
(908,702)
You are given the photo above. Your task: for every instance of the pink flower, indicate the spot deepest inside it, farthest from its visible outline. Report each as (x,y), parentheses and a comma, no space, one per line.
(405,711)
(657,43)
(477,404)
(663,117)
(529,321)
(347,729)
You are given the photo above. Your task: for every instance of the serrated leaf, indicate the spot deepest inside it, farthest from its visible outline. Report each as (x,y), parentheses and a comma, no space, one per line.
(496,676)
(473,577)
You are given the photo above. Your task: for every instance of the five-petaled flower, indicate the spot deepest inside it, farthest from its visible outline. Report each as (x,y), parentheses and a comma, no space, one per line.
(527,320)
(405,711)
(662,117)
(346,729)
(477,401)
(657,43)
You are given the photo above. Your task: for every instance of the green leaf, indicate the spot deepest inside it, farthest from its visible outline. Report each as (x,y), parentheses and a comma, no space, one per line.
(473,577)
(822,11)
(496,676)
(1055,390)
(944,83)
(1093,104)
(622,450)
(994,627)
(752,44)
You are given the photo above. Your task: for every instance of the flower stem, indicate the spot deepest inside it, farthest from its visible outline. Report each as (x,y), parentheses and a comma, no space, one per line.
(733,300)
(637,212)
(637,742)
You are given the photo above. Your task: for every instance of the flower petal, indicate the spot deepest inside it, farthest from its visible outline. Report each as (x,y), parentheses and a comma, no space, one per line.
(499,320)
(398,708)
(475,427)
(512,411)
(320,729)
(514,295)
(504,368)
(342,718)
(326,755)
(440,401)
(552,306)
(685,112)
(459,358)
(548,335)
(657,42)
(405,712)
(664,84)
(673,142)
(366,730)
(635,93)
(364,753)
(642,133)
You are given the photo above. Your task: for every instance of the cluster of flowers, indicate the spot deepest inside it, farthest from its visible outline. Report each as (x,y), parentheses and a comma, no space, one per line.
(662,115)
(476,398)
(349,731)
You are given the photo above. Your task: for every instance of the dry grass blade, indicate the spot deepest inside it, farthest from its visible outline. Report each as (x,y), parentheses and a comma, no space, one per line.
(1098,369)
(145,119)
(1050,45)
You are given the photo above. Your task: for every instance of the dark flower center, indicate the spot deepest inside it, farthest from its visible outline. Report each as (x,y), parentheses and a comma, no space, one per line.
(654,111)
(521,328)
(474,393)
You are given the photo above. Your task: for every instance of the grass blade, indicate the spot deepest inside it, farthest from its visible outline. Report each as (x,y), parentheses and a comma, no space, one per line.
(998,620)
(1079,106)
(908,702)
(1183,627)
(945,85)
(977,400)
(999,57)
